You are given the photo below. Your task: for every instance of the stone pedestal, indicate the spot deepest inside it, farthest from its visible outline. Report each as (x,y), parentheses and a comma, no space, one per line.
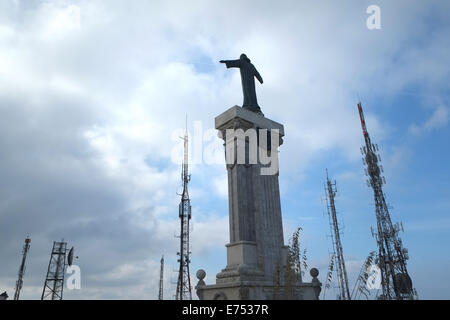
(256,254)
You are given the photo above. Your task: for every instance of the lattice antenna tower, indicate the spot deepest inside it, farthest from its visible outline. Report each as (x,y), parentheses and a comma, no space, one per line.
(396,284)
(161,280)
(184,291)
(60,258)
(338,253)
(54,281)
(19,282)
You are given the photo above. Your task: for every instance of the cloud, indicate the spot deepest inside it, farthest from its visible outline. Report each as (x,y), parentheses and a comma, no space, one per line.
(221,186)
(438,119)
(59,21)
(91,93)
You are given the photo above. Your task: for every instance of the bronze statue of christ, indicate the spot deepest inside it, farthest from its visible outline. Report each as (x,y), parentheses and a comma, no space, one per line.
(248,74)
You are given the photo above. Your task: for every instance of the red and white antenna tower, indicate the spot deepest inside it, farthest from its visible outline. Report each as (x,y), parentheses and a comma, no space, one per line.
(396,283)
(22,268)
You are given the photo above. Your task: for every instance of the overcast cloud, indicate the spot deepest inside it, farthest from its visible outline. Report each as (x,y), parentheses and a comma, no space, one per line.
(91,93)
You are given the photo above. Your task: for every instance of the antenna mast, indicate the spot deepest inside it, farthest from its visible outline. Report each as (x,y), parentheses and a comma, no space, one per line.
(395,281)
(184,291)
(338,253)
(19,282)
(161,280)
(54,282)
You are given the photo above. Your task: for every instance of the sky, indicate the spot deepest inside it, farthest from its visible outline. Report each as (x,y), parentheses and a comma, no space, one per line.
(94,96)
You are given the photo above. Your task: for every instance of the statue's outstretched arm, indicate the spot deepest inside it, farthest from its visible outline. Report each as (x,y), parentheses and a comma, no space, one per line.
(232,63)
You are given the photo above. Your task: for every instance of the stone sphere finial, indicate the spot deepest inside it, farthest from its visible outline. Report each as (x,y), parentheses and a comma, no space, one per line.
(314,272)
(201,274)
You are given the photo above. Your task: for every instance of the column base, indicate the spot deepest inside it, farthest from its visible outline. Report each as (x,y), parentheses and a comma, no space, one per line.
(255,290)
(242,263)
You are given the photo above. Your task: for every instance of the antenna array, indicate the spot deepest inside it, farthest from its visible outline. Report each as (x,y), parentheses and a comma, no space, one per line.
(395,280)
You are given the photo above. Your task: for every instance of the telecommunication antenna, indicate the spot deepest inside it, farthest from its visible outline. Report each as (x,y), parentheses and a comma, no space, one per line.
(184,291)
(54,281)
(70,257)
(338,253)
(395,280)
(161,280)
(22,268)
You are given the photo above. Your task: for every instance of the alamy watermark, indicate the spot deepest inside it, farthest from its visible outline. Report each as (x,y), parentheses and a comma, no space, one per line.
(373,22)
(374,277)
(73,281)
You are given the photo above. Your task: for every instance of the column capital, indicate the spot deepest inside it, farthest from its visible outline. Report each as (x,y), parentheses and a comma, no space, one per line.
(237,117)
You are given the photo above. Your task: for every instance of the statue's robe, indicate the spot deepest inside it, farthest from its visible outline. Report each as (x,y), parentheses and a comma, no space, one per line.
(248,74)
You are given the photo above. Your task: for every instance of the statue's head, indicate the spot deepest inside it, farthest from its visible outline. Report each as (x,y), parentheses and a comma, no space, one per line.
(244,57)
